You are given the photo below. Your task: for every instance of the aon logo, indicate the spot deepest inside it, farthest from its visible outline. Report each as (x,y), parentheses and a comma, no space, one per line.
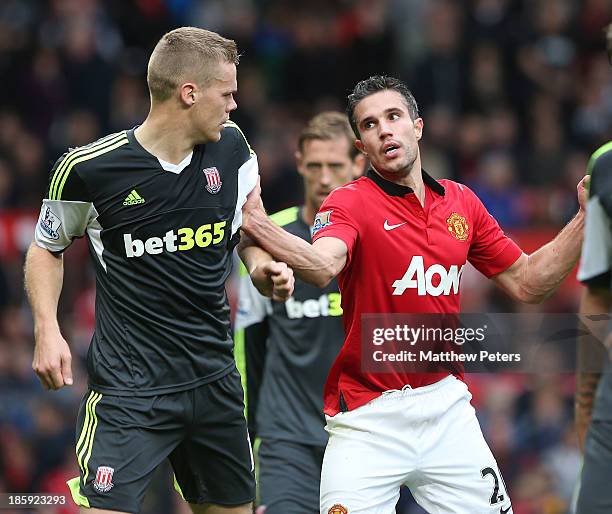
(421,279)
(184,238)
(325,305)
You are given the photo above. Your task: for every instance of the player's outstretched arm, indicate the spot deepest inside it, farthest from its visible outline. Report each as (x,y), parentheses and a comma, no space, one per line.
(316,264)
(44,274)
(272,279)
(533,278)
(591,357)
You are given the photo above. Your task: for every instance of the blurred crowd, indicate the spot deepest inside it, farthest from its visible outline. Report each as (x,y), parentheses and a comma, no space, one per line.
(515,95)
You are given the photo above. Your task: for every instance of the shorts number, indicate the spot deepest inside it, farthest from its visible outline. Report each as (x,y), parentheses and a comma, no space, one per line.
(495,497)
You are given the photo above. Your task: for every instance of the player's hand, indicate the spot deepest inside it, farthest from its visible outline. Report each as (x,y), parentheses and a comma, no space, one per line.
(274,280)
(52,361)
(583,193)
(252,205)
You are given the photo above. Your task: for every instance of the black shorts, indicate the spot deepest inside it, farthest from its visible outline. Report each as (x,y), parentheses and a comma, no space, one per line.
(289,476)
(121,440)
(595,496)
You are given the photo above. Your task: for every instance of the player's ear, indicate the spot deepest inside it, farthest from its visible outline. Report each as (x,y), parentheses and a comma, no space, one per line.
(360,147)
(189,92)
(418,128)
(359,164)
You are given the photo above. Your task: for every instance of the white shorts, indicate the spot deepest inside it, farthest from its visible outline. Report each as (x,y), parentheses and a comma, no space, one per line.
(427,439)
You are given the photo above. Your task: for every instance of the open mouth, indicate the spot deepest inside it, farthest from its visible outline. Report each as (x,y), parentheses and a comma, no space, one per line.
(390,149)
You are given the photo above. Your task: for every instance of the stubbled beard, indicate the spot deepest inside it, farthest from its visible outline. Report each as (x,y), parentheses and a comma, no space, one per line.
(411,159)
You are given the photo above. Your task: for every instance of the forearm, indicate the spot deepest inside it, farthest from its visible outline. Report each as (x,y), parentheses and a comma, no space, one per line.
(251,255)
(307,263)
(548,266)
(43,278)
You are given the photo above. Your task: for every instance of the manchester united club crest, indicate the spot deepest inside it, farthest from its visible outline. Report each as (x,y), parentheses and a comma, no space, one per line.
(104,479)
(213,180)
(457,226)
(338,509)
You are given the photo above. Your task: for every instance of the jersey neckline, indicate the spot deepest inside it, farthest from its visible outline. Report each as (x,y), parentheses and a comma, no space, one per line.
(165,165)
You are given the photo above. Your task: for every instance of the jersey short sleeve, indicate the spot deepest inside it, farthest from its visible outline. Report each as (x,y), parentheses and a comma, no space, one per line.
(247,173)
(336,218)
(67,210)
(491,250)
(596,261)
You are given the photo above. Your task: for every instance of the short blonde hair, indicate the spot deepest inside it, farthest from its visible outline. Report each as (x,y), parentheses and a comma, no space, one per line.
(328,125)
(186,53)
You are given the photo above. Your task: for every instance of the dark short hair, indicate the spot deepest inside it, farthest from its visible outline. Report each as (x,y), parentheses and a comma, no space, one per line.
(328,125)
(373,85)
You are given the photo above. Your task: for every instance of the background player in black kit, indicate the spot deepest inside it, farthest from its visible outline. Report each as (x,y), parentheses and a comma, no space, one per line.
(297,341)
(593,410)
(160,205)
(594,386)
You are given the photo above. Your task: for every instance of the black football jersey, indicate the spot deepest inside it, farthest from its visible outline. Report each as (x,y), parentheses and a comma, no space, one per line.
(596,262)
(161,239)
(304,336)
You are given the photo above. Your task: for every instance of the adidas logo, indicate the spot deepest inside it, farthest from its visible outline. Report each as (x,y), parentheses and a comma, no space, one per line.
(133,198)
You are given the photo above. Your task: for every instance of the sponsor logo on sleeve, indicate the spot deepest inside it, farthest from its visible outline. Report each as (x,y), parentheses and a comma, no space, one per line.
(104,479)
(50,223)
(213,180)
(322,220)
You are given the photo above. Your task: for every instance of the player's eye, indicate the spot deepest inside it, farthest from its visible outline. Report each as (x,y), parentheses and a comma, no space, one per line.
(394,116)
(368,124)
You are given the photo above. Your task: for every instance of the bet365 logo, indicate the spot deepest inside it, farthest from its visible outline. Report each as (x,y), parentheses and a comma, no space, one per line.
(326,305)
(421,279)
(181,240)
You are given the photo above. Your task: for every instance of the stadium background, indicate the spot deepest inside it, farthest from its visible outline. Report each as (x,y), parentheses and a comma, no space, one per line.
(515,95)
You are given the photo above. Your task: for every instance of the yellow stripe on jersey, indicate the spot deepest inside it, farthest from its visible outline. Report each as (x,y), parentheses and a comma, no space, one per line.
(83,154)
(240,357)
(73,153)
(230,123)
(597,154)
(286,216)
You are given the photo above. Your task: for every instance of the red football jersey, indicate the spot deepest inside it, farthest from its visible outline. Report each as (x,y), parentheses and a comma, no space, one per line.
(403,258)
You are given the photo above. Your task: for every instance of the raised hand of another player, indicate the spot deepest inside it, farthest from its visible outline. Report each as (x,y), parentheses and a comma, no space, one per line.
(274,280)
(583,193)
(52,360)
